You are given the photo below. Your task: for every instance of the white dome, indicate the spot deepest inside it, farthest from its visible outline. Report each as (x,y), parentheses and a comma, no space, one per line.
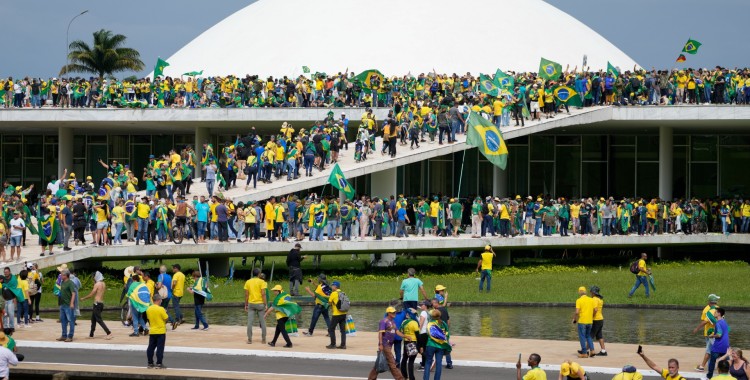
(278,37)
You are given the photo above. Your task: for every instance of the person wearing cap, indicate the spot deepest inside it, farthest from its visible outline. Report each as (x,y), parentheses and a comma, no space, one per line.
(284,308)
(338,319)
(321,296)
(17,228)
(386,336)
(708,321)
(407,331)
(441,294)
(629,372)
(672,372)
(584,317)
(598,323)
(571,370)
(485,265)
(157,338)
(143,211)
(456,210)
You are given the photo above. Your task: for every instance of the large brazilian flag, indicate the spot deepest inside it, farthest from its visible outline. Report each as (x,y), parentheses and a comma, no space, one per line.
(487,138)
(140,297)
(283,303)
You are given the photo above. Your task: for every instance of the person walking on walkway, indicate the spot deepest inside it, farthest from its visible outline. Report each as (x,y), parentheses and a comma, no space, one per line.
(178,290)
(485,264)
(535,373)
(721,341)
(386,336)
(408,332)
(284,309)
(337,303)
(708,320)
(157,319)
(598,324)
(410,288)
(672,372)
(584,317)
(321,296)
(67,300)
(641,278)
(199,300)
(96,312)
(256,304)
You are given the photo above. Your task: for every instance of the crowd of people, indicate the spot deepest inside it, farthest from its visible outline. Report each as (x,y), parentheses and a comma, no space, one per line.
(639,86)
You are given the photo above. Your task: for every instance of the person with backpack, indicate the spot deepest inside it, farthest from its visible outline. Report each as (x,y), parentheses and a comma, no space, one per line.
(672,372)
(641,274)
(340,305)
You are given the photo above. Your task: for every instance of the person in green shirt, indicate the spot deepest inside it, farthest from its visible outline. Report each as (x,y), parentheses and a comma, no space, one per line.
(476,217)
(457,210)
(66,300)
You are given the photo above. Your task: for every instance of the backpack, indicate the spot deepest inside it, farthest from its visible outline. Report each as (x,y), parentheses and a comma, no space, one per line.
(634,267)
(343,304)
(33,287)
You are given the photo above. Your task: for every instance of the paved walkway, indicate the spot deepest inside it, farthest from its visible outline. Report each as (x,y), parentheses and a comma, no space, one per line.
(469,351)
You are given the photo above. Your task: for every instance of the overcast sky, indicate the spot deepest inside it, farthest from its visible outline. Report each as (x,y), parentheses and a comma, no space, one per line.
(652,32)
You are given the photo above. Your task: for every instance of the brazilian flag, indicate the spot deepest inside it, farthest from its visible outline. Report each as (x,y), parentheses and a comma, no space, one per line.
(549,69)
(488,86)
(367,76)
(569,96)
(193,73)
(487,138)
(139,296)
(159,67)
(504,80)
(47,228)
(283,303)
(319,216)
(12,285)
(439,335)
(691,46)
(337,180)
(612,70)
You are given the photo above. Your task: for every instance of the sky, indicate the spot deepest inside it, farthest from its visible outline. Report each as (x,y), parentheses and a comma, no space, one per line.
(652,32)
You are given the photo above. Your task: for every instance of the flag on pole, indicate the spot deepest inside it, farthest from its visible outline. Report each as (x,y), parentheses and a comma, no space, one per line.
(367,76)
(549,69)
(305,69)
(159,68)
(337,180)
(488,86)
(569,96)
(612,70)
(192,73)
(484,135)
(504,80)
(681,58)
(691,47)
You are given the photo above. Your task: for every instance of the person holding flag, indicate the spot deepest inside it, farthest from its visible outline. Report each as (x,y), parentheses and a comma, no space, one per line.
(201,293)
(139,299)
(284,307)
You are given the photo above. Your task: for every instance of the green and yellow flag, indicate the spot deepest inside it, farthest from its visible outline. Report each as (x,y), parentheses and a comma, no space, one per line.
(47,228)
(549,69)
(488,86)
(569,96)
(191,73)
(613,70)
(159,68)
(305,69)
(337,180)
(504,80)
(283,303)
(367,76)
(484,135)
(691,47)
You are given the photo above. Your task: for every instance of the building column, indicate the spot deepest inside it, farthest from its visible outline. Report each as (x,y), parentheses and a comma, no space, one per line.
(64,150)
(665,162)
(201,137)
(383,183)
(499,182)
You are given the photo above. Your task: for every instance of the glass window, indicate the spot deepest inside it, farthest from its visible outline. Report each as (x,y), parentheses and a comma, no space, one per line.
(163,143)
(12,162)
(413,174)
(141,139)
(648,148)
(542,148)
(622,140)
(50,153)
(734,181)
(12,139)
(441,177)
(33,172)
(734,140)
(594,179)
(119,146)
(33,146)
(470,174)
(679,172)
(594,148)
(568,172)
(703,180)
(486,177)
(621,171)
(518,170)
(97,139)
(181,140)
(51,139)
(569,140)
(541,176)
(521,140)
(79,146)
(648,180)
(703,148)
(680,140)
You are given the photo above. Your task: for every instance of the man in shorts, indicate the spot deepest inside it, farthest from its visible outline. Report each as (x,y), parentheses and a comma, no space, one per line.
(17,226)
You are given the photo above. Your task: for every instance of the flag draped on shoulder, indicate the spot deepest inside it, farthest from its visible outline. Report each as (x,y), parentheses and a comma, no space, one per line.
(484,135)
(140,297)
(283,303)
(569,96)
(613,70)
(366,77)
(438,334)
(549,69)
(488,86)
(159,67)
(337,180)
(691,47)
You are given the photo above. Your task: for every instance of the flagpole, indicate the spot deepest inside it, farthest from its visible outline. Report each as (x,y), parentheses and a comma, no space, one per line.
(463,160)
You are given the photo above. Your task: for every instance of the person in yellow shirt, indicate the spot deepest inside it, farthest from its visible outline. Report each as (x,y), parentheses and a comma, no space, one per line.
(672,372)
(339,317)
(642,277)
(321,296)
(598,324)
(485,264)
(256,304)
(745,208)
(584,317)
(157,320)
(281,318)
(408,332)
(118,220)
(178,290)
(535,373)
(571,370)
(651,209)
(150,284)
(270,217)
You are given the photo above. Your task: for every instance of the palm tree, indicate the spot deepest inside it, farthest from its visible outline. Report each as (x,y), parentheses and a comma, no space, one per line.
(106,57)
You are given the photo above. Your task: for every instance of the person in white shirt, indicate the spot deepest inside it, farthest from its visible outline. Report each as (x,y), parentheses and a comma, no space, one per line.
(17,226)
(7,358)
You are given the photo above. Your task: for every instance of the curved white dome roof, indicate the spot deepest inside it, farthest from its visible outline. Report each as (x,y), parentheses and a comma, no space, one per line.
(278,37)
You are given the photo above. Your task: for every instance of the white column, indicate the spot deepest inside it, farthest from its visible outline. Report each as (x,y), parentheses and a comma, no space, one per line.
(201,137)
(383,183)
(64,150)
(499,182)
(665,162)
